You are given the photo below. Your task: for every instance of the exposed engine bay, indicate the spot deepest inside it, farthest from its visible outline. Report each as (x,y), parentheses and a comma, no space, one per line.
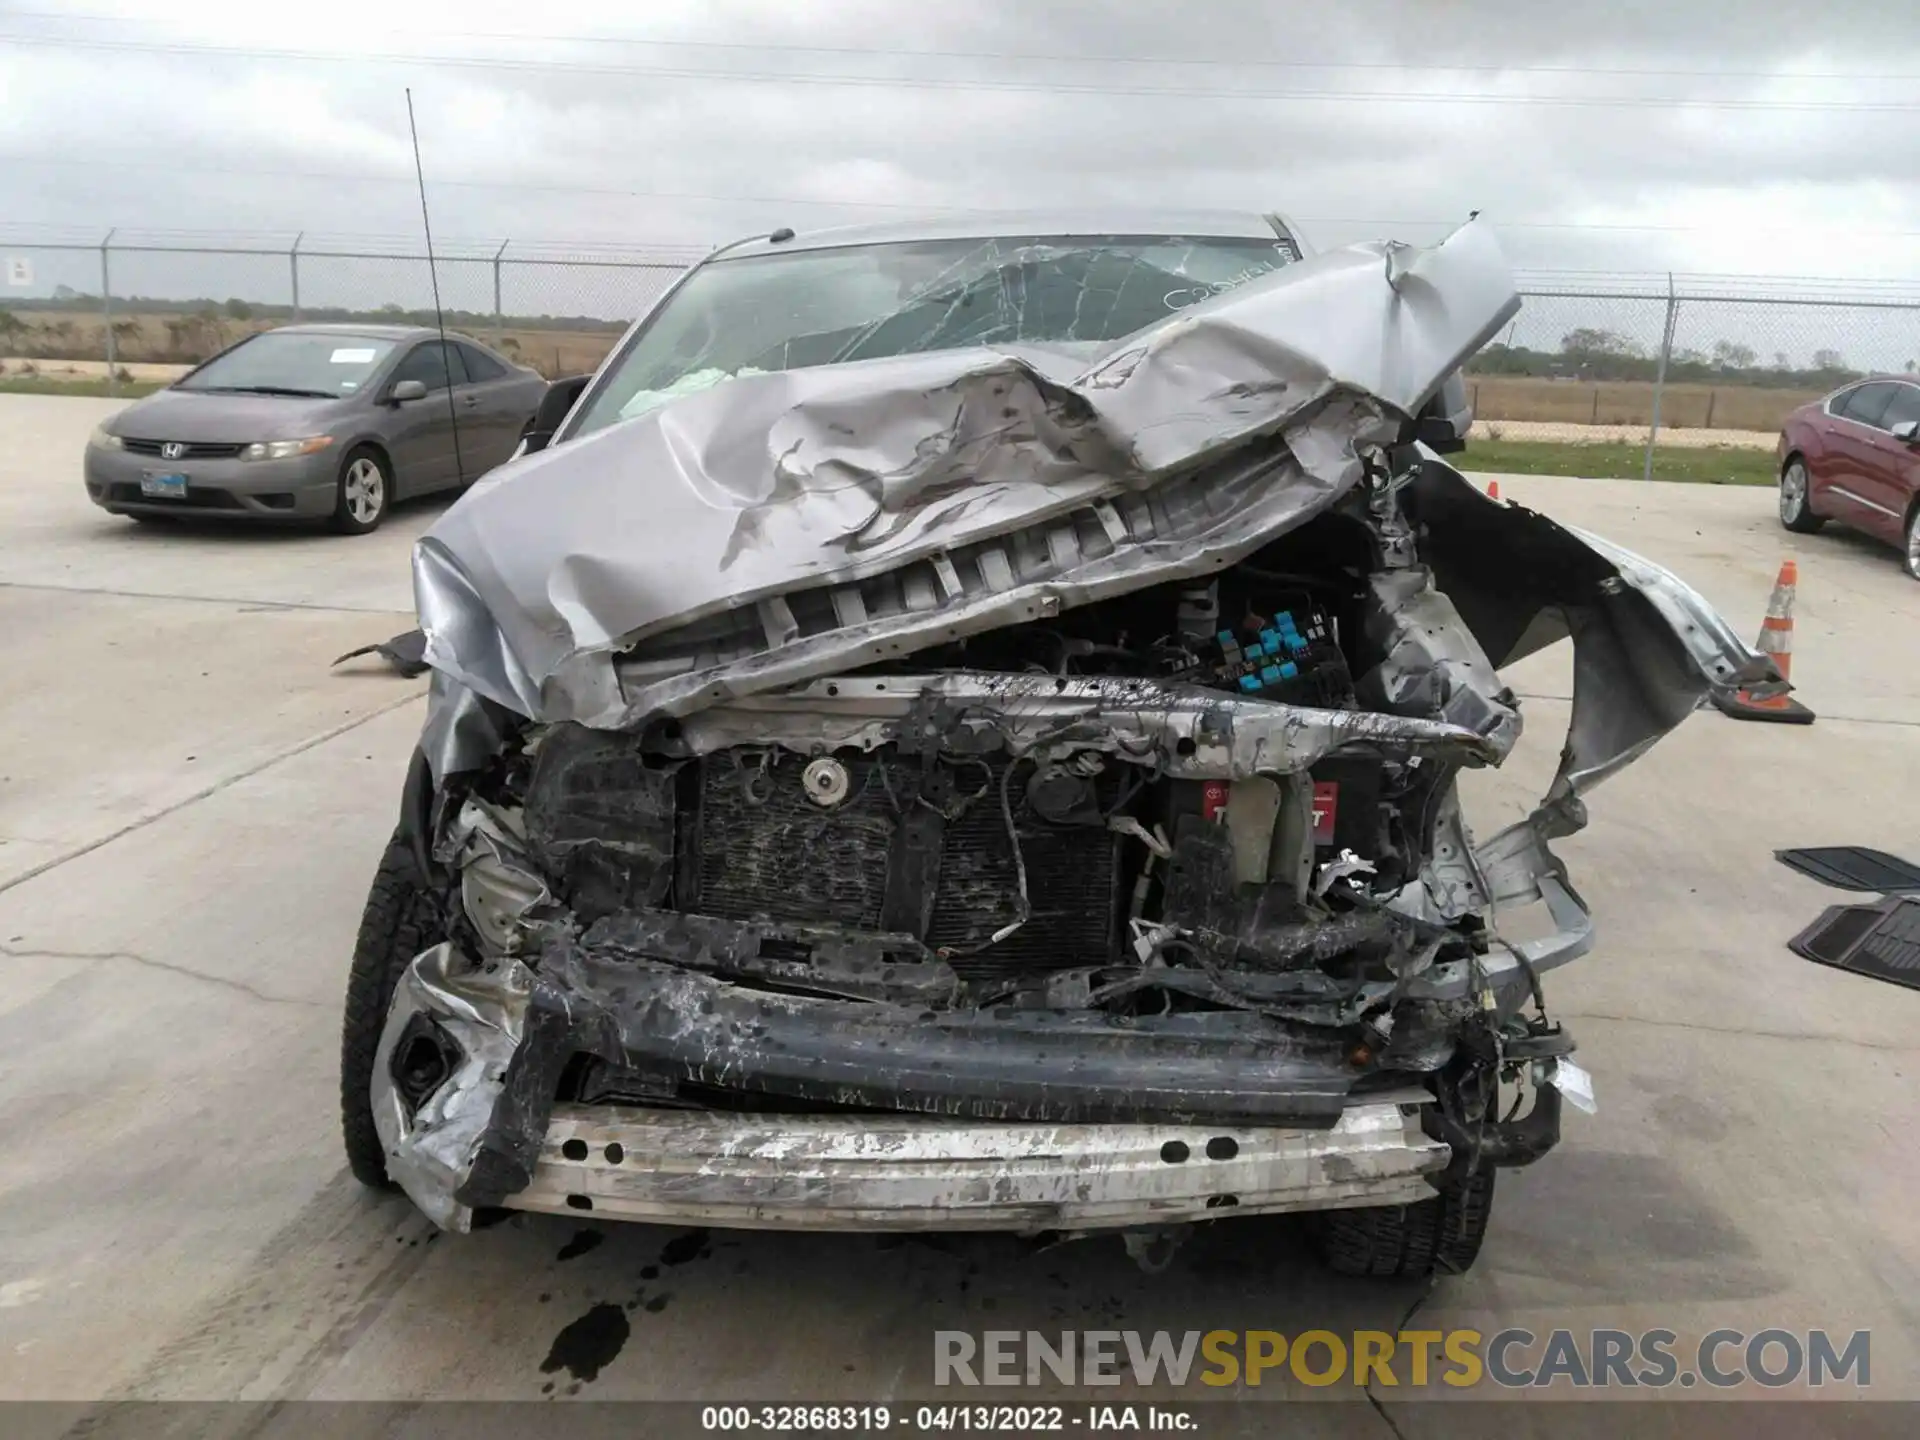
(1141,815)
(1045,858)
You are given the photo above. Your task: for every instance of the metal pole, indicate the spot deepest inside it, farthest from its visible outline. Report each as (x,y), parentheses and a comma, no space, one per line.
(293,273)
(1660,375)
(106,313)
(496,291)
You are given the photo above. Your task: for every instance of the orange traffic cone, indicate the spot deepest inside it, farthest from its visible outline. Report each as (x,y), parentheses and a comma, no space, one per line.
(1775,642)
(1493,489)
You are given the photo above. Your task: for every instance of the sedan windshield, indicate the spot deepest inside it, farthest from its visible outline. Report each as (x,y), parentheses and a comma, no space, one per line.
(293,362)
(861,302)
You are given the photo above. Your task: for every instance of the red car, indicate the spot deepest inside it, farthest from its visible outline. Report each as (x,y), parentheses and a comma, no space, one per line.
(1855,457)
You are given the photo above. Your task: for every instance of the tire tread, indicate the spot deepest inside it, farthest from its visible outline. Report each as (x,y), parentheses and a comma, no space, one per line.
(400,920)
(1441,1236)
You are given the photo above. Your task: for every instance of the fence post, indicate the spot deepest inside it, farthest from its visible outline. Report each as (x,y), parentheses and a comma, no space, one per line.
(1660,374)
(106,314)
(496,291)
(293,273)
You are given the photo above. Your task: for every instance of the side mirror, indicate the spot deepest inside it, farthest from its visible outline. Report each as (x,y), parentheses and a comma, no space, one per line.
(554,405)
(1907,432)
(407,390)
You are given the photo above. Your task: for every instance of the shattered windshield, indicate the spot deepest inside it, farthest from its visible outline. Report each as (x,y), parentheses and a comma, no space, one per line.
(863,302)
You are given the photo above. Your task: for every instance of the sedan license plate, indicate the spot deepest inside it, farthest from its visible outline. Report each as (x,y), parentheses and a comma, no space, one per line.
(166,484)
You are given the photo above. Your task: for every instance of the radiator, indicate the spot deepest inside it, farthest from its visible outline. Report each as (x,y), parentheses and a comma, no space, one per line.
(762,848)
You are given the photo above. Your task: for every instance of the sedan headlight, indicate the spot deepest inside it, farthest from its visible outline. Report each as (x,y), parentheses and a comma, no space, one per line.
(285,449)
(103,439)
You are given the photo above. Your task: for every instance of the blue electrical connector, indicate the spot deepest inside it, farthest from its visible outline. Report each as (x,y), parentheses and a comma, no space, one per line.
(1262,662)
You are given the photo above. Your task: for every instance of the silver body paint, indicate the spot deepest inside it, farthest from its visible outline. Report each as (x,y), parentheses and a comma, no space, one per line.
(650,569)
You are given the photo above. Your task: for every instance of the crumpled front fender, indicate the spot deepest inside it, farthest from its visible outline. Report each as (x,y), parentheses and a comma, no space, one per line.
(1647,649)
(431,1149)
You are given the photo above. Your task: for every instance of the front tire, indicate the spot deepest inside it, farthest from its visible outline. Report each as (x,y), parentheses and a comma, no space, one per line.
(1433,1237)
(364,492)
(1911,562)
(400,920)
(1796,499)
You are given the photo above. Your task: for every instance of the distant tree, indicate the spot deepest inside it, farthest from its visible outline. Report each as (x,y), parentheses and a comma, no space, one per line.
(238,309)
(1781,360)
(10,323)
(1587,341)
(1912,366)
(1690,357)
(1829,360)
(1729,355)
(204,331)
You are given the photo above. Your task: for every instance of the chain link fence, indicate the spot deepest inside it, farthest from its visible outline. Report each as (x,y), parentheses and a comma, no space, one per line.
(1686,361)
(139,312)
(1591,357)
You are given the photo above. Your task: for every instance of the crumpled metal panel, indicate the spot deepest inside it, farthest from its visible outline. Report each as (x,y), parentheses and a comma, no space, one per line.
(431,1151)
(820,477)
(1432,664)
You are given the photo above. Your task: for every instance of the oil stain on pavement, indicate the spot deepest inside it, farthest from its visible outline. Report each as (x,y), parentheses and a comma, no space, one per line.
(588,1345)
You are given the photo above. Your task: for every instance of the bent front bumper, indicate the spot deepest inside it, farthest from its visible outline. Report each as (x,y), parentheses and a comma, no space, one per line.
(900,1172)
(1061,1140)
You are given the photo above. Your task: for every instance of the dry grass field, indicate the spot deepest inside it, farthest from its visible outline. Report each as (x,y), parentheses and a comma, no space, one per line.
(57,335)
(1628,402)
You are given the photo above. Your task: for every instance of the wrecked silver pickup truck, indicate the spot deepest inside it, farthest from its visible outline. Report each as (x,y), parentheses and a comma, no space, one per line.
(960,730)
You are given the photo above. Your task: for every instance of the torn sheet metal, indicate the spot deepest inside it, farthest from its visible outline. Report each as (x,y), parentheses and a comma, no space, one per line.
(431,1149)
(896,1172)
(1647,647)
(828,477)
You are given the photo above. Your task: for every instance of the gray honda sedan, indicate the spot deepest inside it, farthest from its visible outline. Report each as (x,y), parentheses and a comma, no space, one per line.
(313,422)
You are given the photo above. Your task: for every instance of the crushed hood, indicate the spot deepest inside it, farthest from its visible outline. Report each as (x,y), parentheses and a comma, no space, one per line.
(722,501)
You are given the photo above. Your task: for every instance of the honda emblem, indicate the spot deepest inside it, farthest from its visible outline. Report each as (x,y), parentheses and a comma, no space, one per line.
(172,450)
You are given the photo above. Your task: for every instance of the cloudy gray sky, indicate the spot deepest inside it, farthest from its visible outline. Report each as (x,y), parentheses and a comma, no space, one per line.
(1691,135)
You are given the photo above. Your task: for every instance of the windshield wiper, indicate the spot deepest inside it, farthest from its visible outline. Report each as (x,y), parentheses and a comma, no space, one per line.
(267,390)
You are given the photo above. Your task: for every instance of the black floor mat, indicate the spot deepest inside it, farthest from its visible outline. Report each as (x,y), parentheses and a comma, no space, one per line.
(1881,940)
(1853,867)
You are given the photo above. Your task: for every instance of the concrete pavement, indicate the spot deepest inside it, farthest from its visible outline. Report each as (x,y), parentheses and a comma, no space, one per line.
(176,1222)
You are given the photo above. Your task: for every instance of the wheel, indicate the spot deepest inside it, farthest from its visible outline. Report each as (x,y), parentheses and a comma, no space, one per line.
(1796,503)
(366,490)
(1440,1236)
(399,922)
(1912,566)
